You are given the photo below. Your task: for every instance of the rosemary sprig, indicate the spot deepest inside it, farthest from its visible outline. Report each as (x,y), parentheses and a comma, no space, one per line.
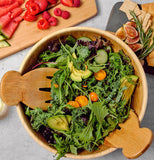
(145,38)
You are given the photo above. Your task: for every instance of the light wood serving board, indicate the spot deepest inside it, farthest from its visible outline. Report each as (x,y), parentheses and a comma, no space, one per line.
(28,34)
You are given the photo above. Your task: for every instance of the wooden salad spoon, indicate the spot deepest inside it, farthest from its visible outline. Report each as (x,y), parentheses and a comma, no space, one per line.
(25,88)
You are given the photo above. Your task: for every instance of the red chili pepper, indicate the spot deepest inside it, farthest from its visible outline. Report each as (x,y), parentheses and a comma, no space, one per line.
(28,3)
(53,1)
(42,4)
(33,8)
(29,17)
(43,24)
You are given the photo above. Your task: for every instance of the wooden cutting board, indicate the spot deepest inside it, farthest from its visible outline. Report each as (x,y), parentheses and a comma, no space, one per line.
(28,34)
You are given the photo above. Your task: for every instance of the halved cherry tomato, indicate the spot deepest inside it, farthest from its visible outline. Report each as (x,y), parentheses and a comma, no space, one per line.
(29,17)
(74,104)
(82,100)
(100,75)
(93,97)
(43,24)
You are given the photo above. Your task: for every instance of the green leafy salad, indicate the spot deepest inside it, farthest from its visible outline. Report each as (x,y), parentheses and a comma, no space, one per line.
(91,93)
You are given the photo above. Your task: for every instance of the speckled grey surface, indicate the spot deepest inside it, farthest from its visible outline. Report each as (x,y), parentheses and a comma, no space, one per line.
(16,143)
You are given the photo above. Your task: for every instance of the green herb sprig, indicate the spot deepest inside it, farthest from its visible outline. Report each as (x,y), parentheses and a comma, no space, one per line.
(145,38)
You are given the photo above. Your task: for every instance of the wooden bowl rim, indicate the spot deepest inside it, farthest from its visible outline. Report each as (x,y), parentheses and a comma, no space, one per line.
(101,32)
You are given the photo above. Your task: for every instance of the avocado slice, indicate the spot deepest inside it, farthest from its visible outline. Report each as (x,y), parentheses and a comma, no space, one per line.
(87,73)
(74,56)
(76,78)
(83,74)
(59,122)
(130,83)
(70,64)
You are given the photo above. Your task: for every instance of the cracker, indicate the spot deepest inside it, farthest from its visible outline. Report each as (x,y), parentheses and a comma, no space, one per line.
(145,28)
(146,19)
(127,6)
(141,16)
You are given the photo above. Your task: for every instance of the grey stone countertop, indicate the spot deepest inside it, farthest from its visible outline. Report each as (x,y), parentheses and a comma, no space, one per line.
(16,143)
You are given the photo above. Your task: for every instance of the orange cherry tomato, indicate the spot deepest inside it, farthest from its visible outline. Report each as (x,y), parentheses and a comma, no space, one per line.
(93,97)
(74,104)
(100,75)
(82,100)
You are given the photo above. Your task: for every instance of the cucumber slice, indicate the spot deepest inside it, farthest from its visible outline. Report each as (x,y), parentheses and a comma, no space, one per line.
(2,37)
(4,44)
(102,57)
(85,39)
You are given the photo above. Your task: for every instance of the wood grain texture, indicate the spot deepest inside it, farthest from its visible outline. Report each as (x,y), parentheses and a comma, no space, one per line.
(133,140)
(26,88)
(28,34)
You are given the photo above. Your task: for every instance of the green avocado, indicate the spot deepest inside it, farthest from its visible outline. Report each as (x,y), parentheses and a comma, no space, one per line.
(130,83)
(87,73)
(80,73)
(74,56)
(59,122)
(75,77)
(70,65)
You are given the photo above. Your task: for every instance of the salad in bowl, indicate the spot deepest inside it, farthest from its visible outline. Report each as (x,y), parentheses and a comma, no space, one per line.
(91,93)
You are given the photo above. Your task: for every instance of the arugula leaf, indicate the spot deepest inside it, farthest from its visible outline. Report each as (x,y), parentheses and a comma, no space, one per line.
(47,55)
(100,111)
(87,132)
(112,124)
(73,149)
(38,117)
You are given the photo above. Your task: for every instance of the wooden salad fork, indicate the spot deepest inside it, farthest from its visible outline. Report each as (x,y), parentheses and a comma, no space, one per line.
(26,88)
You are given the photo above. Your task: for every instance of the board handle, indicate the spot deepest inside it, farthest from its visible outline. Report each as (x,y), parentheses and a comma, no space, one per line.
(131,138)
(10,88)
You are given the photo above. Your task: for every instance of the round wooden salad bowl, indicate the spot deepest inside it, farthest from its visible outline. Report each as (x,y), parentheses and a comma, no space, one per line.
(139,101)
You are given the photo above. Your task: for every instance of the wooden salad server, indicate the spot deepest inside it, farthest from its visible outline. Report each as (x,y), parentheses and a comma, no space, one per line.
(26,88)
(132,139)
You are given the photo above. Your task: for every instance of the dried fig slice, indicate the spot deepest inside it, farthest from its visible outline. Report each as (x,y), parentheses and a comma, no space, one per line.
(135,47)
(131,32)
(120,33)
(132,40)
(131,23)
